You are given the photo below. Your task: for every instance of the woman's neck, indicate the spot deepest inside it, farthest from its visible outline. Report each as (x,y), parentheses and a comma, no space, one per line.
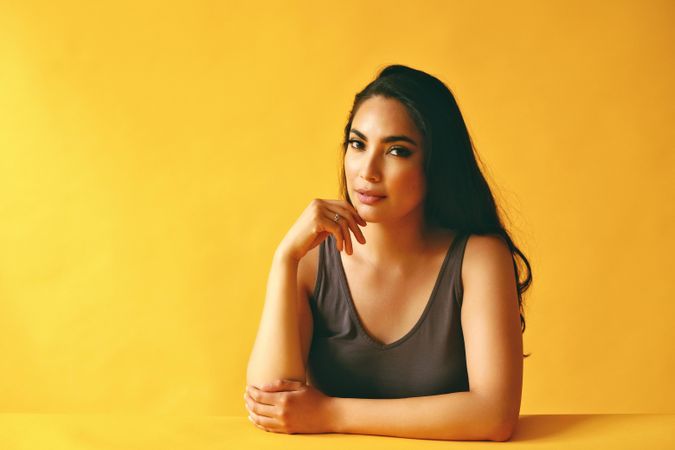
(395,245)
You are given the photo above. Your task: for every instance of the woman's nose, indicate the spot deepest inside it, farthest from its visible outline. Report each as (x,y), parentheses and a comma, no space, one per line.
(370,170)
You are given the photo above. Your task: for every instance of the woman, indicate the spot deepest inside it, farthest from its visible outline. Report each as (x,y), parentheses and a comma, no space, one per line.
(413,327)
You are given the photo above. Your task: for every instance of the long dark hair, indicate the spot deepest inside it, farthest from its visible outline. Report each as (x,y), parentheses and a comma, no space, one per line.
(458,195)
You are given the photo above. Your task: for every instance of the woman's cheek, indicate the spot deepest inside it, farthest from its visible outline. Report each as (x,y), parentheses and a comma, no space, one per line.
(411,188)
(351,169)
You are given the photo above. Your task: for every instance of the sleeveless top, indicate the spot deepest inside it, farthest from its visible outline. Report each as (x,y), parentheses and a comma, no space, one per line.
(345,361)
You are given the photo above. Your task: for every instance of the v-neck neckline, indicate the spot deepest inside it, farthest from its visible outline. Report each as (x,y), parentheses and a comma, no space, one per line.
(420,320)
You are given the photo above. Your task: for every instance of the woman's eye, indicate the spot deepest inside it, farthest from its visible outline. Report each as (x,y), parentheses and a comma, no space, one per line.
(354,141)
(401,151)
(398,151)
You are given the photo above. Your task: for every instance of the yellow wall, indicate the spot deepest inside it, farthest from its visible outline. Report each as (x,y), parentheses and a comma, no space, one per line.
(153,154)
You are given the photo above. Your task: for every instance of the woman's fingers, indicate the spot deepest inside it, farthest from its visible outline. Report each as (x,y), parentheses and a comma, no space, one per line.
(353,221)
(342,237)
(344,226)
(358,234)
(260,396)
(282,385)
(349,213)
(263,422)
(260,409)
(333,228)
(262,415)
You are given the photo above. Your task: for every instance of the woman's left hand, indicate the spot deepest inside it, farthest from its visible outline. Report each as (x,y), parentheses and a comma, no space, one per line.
(289,406)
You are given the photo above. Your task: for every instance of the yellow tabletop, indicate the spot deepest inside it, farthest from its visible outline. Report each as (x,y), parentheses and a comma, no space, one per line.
(148,432)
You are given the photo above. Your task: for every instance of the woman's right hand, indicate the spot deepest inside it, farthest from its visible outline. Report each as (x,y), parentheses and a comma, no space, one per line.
(316,222)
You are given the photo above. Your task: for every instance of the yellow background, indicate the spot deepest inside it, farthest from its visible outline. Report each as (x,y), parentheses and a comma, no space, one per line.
(153,154)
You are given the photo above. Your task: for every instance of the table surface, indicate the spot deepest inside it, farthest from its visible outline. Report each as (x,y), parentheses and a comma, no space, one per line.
(148,432)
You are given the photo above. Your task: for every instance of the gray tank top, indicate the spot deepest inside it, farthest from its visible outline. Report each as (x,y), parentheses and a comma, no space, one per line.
(345,361)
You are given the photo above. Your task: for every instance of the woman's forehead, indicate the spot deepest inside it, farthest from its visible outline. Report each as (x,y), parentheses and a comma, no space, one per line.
(380,117)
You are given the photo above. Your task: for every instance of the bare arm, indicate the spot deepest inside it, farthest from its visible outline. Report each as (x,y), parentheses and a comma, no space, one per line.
(493,341)
(282,345)
(455,416)
(277,352)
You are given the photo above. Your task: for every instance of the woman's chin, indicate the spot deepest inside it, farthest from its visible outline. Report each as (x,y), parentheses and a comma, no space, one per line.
(368,216)
(368,212)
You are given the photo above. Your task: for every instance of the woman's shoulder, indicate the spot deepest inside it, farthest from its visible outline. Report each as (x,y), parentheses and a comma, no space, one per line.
(486,245)
(486,255)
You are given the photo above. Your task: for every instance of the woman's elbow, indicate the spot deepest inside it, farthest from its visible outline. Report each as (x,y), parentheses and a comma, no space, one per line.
(503,430)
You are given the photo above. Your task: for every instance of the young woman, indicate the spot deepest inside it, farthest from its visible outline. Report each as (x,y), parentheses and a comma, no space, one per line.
(413,326)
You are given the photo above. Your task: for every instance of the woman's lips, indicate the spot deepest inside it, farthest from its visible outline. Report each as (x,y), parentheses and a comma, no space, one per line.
(369,199)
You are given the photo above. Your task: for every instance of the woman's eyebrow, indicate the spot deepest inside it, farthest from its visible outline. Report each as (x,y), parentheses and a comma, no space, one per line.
(401,137)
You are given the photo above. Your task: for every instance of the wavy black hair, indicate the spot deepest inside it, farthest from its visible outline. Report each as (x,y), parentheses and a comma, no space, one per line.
(458,196)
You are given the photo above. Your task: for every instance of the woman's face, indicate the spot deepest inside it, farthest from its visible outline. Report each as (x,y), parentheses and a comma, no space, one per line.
(384,155)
